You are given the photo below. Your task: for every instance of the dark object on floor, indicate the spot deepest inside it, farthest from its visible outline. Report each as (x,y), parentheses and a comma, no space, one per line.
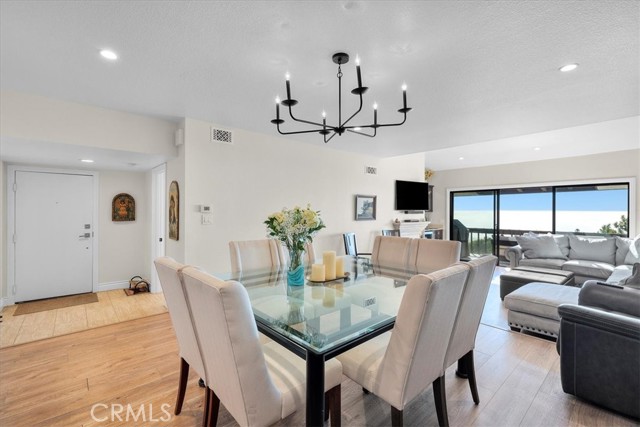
(201,383)
(599,347)
(54,303)
(137,285)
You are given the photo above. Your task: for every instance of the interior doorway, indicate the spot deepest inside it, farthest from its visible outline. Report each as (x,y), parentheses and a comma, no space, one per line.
(52,236)
(158,220)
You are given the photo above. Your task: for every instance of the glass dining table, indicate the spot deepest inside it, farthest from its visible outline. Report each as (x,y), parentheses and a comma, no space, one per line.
(319,320)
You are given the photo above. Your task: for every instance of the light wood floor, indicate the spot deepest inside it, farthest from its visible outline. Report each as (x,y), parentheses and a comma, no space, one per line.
(57,381)
(112,307)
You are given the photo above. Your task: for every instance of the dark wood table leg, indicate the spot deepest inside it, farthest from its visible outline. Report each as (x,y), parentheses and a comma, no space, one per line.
(315,390)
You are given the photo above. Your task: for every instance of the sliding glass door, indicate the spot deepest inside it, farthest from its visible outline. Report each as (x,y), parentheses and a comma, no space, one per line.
(487,221)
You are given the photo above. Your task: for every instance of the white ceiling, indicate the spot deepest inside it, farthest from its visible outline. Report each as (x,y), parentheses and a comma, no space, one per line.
(477,71)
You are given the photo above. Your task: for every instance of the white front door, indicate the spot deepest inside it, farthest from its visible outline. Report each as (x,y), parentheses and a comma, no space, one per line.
(53,238)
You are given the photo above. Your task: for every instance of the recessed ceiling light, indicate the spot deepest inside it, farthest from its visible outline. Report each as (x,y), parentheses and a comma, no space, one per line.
(86,160)
(109,54)
(460,158)
(568,67)
(536,148)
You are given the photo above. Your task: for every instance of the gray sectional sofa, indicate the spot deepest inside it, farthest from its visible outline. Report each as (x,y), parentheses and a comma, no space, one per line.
(601,258)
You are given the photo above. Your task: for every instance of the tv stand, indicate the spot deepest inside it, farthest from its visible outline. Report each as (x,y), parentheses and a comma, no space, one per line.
(411,229)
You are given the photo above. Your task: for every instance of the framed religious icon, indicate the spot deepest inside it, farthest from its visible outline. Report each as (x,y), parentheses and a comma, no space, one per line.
(365,207)
(174,211)
(123,208)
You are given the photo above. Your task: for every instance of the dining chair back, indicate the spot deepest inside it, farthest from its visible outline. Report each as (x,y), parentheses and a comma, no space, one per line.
(428,255)
(179,312)
(465,329)
(258,385)
(394,252)
(399,366)
(256,254)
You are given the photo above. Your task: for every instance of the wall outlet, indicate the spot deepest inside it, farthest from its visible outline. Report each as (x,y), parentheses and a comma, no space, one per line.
(206,219)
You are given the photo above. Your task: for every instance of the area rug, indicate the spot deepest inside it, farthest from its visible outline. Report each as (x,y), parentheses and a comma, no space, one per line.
(53,303)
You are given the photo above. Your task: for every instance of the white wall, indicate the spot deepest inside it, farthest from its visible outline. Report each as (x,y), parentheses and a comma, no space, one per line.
(123,246)
(620,164)
(260,174)
(37,118)
(176,172)
(3,234)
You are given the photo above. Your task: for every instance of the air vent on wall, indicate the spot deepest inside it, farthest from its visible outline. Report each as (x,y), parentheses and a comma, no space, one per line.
(370,170)
(221,135)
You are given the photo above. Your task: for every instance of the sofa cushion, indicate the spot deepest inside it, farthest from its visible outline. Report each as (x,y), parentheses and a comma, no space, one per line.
(633,255)
(621,272)
(543,262)
(591,248)
(622,248)
(540,247)
(589,268)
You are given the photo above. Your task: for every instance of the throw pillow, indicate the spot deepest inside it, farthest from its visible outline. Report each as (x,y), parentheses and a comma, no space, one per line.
(633,256)
(632,281)
(593,248)
(540,247)
(563,243)
(622,245)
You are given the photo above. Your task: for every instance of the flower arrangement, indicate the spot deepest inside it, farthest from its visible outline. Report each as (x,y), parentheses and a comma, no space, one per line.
(428,173)
(294,227)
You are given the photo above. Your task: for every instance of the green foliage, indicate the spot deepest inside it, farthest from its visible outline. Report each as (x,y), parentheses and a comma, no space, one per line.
(619,227)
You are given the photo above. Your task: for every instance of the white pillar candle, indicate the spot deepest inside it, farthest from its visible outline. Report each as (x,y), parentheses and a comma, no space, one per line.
(329,261)
(317,272)
(340,267)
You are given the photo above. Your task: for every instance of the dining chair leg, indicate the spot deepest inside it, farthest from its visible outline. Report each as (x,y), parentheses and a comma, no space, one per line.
(214,408)
(205,408)
(182,385)
(471,370)
(463,370)
(396,417)
(333,407)
(365,391)
(440,397)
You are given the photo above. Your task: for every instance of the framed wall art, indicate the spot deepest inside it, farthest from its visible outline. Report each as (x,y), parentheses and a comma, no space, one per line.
(365,208)
(123,208)
(174,211)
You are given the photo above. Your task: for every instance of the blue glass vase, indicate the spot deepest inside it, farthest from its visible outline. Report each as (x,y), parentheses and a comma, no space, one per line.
(295,271)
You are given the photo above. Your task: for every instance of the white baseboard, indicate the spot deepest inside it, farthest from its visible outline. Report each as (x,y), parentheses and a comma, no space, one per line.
(5,301)
(109,286)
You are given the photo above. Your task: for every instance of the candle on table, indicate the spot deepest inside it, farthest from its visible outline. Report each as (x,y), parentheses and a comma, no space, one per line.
(329,261)
(339,267)
(317,272)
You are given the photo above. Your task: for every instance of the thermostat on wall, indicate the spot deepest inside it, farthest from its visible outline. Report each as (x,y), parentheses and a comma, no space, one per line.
(205,209)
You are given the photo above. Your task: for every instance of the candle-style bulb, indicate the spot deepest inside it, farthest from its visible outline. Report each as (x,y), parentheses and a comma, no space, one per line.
(287,76)
(375,106)
(277,100)
(404,86)
(357,60)
(324,114)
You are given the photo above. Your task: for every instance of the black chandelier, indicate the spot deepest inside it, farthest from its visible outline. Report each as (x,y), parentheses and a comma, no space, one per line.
(326,130)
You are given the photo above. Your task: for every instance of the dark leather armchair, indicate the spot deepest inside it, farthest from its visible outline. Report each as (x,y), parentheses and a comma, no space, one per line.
(599,347)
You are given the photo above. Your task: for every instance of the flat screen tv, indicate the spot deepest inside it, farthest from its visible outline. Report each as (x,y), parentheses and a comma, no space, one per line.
(412,196)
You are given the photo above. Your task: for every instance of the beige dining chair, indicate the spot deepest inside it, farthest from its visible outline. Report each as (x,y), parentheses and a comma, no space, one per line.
(465,328)
(399,365)
(256,254)
(168,270)
(428,255)
(391,251)
(258,385)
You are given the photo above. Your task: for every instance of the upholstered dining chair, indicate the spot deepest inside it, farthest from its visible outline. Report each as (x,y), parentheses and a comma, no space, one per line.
(256,254)
(394,252)
(168,273)
(258,385)
(350,245)
(428,255)
(399,365)
(465,328)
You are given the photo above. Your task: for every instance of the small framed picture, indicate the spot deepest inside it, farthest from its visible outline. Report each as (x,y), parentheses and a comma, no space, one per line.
(365,208)
(174,211)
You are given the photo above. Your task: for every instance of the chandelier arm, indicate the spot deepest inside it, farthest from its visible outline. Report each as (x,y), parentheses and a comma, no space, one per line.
(354,114)
(392,124)
(306,121)
(364,134)
(329,139)
(296,132)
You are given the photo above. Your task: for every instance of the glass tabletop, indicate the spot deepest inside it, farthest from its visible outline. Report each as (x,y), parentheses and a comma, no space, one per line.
(321,316)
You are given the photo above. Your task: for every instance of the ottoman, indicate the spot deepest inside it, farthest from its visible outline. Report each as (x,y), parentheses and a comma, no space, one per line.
(520,276)
(534,307)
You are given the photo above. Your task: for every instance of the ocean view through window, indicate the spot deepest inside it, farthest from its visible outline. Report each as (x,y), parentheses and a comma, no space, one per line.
(491,218)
